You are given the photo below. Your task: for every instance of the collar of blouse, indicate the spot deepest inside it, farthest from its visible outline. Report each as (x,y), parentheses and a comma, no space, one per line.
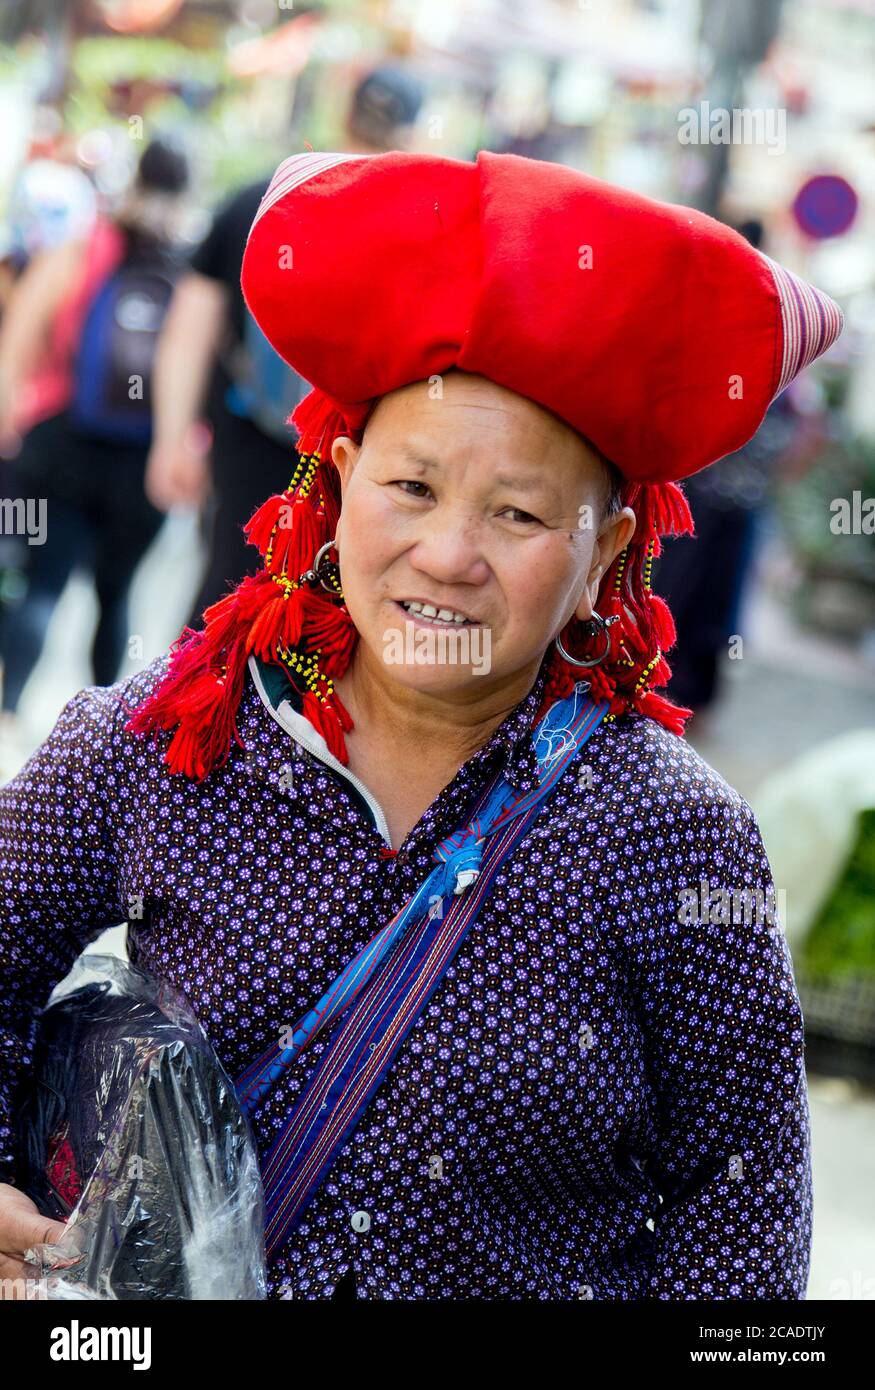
(512,738)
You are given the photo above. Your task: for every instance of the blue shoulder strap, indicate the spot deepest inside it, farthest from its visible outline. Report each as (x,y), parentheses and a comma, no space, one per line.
(381,1008)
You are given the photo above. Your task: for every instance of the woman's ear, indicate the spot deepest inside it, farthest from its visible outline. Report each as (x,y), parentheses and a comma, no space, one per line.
(617,533)
(344,452)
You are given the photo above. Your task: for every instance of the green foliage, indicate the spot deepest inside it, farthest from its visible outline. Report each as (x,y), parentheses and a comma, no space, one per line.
(842,939)
(102,60)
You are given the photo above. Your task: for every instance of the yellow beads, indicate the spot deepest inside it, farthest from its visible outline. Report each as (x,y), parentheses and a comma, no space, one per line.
(647,669)
(307,667)
(648,563)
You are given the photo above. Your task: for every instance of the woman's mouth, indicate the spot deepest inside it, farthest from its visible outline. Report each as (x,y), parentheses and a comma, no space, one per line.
(429,615)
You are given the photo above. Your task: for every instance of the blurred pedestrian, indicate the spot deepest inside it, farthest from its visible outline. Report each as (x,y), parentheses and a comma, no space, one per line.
(76,350)
(704,577)
(50,203)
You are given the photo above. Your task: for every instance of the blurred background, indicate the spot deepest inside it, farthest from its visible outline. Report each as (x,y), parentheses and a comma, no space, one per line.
(138,138)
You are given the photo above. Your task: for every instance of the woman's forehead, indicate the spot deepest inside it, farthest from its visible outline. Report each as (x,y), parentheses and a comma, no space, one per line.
(455,387)
(431,419)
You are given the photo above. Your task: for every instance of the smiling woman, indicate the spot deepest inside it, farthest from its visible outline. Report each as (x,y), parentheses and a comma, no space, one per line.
(435,910)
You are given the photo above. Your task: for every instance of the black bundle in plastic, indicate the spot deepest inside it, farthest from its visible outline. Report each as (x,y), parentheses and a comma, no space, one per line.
(133,1133)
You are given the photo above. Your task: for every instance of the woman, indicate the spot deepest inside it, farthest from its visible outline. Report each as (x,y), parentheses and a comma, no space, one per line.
(579,1073)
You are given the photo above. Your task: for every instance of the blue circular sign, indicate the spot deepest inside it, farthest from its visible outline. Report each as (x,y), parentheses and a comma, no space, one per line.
(825,206)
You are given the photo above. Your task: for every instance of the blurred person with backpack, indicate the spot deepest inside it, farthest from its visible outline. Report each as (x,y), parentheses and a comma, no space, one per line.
(76,350)
(214,361)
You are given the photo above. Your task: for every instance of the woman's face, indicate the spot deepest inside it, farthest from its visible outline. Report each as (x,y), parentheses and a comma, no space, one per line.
(470,500)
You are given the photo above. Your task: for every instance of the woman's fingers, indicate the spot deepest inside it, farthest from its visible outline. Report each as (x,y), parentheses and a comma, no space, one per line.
(22,1226)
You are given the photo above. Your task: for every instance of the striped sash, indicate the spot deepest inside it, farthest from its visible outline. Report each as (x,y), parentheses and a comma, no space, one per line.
(380,1007)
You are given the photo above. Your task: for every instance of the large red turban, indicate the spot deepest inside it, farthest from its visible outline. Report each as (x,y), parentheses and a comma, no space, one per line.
(657,333)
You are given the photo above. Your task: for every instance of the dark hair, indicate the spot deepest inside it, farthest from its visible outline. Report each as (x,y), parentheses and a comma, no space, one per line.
(163,167)
(387,98)
(616,481)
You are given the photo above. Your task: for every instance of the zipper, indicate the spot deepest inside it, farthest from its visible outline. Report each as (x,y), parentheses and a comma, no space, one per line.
(302,731)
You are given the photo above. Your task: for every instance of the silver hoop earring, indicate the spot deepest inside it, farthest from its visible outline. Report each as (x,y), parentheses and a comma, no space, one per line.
(321,570)
(601,625)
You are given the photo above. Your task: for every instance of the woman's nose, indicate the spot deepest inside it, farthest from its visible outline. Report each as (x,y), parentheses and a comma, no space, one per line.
(449,550)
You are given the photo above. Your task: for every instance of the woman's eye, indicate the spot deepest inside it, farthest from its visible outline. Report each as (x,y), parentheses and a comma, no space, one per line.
(405,483)
(520,515)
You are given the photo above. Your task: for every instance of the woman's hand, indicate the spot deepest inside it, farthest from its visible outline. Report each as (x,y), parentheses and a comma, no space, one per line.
(21,1226)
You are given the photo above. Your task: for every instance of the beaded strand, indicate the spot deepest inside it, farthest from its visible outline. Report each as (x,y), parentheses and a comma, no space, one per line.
(296,662)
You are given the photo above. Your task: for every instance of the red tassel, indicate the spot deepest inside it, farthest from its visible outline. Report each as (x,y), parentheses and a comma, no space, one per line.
(183,755)
(202,697)
(344,718)
(196,695)
(331,719)
(663,626)
(297,538)
(166,705)
(206,726)
(321,420)
(329,629)
(278,616)
(330,497)
(665,509)
(259,528)
(222,618)
(252,593)
(314,710)
(672,717)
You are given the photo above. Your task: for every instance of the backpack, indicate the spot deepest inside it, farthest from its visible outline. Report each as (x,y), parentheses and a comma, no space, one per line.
(264,388)
(112,370)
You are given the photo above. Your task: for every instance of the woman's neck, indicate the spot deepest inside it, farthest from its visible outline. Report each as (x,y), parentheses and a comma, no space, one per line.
(442,728)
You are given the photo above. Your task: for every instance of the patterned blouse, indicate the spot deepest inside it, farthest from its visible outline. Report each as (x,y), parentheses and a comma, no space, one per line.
(604,1098)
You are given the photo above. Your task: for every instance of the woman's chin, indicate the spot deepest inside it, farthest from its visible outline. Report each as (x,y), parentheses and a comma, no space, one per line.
(433,668)
(432,679)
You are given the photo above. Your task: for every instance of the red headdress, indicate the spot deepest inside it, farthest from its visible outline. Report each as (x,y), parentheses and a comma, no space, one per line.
(658,333)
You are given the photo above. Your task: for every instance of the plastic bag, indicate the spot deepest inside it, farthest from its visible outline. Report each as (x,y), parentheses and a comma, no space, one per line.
(132,1130)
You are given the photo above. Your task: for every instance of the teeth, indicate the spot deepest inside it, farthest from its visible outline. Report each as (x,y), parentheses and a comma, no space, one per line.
(427,610)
